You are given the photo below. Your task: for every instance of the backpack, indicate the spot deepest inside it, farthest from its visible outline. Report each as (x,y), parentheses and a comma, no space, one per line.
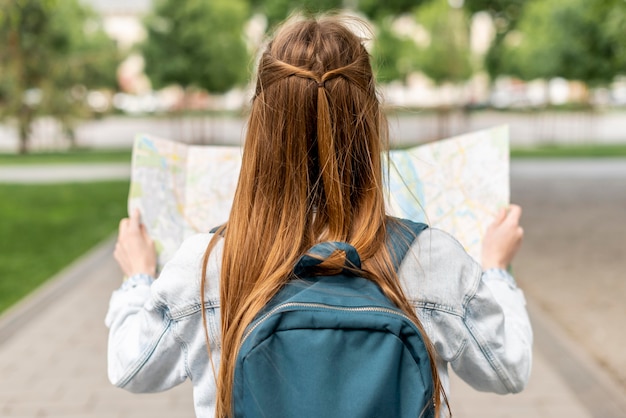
(334,346)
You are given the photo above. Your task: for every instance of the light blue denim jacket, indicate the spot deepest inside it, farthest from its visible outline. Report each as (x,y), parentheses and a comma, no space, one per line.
(476,320)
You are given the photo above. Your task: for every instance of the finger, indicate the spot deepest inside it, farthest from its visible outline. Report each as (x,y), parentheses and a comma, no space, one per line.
(117,253)
(500,216)
(120,256)
(514,213)
(123,225)
(135,219)
(147,238)
(515,207)
(144,231)
(137,215)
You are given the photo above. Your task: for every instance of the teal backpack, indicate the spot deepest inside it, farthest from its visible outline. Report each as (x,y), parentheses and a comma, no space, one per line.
(335,346)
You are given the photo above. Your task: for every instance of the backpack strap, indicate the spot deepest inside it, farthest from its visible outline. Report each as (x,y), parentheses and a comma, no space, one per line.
(400,236)
(320,252)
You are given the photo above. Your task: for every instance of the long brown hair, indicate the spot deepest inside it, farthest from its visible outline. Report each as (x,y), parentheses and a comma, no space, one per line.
(311,172)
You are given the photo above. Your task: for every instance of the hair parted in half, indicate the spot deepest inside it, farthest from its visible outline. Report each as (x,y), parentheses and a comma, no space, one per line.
(311,172)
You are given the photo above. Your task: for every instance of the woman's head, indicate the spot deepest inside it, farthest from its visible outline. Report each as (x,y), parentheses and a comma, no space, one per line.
(311,171)
(314,133)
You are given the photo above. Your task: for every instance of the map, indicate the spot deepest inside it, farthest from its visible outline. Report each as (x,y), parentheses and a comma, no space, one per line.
(456,184)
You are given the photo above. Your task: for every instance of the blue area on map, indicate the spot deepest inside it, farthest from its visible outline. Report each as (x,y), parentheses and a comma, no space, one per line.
(406,188)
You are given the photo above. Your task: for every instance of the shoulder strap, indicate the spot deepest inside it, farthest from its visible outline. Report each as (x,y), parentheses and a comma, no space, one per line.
(400,236)
(319,252)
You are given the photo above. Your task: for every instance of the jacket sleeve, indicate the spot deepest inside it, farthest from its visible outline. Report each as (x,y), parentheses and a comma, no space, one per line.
(143,352)
(147,350)
(477,321)
(497,356)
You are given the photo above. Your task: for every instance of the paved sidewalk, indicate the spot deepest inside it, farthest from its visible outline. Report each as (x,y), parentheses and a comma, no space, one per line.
(53,361)
(55,173)
(53,364)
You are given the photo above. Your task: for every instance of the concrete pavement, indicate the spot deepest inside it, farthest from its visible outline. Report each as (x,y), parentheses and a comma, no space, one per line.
(52,344)
(55,173)
(527,128)
(53,360)
(53,352)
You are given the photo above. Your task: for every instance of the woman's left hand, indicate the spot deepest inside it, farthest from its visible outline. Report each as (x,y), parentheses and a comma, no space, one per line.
(502,239)
(134,251)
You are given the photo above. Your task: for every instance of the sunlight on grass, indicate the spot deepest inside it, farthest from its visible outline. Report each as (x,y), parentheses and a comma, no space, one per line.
(85,155)
(571,151)
(46,227)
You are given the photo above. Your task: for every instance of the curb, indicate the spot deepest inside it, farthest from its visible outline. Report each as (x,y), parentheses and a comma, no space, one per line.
(13,319)
(597,390)
(600,393)
(63,173)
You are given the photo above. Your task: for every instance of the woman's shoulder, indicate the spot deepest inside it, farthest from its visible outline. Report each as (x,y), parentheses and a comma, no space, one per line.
(437,271)
(178,284)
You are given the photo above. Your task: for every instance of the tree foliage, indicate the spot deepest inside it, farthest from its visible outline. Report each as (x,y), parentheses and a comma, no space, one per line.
(505,12)
(197,43)
(447,57)
(394,55)
(614,29)
(574,39)
(278,10)
(505,15)
(377,10)
(53,52)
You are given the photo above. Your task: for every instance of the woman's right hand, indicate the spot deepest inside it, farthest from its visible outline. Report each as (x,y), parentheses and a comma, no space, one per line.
(502,239)
(134,251)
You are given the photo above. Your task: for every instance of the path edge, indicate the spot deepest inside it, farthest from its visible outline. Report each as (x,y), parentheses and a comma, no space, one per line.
(597,389)
(36,302)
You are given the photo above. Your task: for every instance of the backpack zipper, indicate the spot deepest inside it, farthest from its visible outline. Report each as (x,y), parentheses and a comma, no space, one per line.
(263,318)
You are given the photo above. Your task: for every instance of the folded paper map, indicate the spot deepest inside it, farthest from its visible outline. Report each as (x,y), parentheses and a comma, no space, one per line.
(456,184)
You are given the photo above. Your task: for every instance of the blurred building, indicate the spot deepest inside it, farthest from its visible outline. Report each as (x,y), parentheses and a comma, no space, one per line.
(122,22)
(122,18)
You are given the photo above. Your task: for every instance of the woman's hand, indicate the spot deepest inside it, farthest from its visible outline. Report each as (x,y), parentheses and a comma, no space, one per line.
(502,239)
(134,251)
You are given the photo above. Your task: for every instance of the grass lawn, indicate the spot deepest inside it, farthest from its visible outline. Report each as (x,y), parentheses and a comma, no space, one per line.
(80,155)
(124,156)
(571,151)
(43,228)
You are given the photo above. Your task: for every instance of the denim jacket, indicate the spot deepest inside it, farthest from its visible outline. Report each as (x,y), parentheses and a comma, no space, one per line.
(476,320)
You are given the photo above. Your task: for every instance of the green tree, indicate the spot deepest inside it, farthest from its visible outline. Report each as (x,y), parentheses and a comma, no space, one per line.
(92,58)
(614,28)
(50,48)
(574,39)
(394,55)
(505,15)
(447,58)
(197,44)
(278,10)
(377,9)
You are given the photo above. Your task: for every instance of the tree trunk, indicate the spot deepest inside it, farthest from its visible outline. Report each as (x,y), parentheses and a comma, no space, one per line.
(70,133)
(25,120)
(23,148)
(443,122)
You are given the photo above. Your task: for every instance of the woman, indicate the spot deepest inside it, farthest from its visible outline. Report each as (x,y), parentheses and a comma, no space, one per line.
(311,172)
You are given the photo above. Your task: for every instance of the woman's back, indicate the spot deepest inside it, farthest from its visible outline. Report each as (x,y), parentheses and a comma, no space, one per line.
(311,172)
